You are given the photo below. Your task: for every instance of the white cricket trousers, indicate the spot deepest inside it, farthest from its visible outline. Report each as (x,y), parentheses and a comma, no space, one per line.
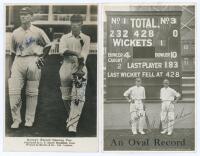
(70,92)
(167,116)
(24,71)
(137,115)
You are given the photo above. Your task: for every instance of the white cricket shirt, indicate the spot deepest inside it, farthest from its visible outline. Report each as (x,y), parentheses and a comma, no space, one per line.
(168,94)
(137,93)
(28,42)
(70,42)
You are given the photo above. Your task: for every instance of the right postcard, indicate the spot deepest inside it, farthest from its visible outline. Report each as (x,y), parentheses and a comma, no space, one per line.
(149,77)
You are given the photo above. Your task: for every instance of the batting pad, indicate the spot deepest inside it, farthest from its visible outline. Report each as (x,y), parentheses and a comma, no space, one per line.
(32,88)
(15,86)
(66,93)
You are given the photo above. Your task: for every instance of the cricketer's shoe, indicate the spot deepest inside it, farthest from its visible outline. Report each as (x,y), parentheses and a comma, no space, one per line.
(28,123)
(15,124)
(164,131)
(169,133)
(142,132)
(134,132)
(71,134)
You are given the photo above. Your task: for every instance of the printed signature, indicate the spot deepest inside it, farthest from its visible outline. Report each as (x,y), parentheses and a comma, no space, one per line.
(26,43)
(74,119)
(16,107)
(179,117)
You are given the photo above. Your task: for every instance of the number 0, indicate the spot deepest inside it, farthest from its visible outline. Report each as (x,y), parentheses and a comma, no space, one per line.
(175,33)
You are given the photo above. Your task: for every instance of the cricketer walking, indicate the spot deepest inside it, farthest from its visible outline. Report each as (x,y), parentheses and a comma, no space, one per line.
(74,47)
(27,46)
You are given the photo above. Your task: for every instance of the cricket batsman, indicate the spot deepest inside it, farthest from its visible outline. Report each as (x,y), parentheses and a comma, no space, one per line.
(74,47)
(27,48)
(169,97)
(135,96)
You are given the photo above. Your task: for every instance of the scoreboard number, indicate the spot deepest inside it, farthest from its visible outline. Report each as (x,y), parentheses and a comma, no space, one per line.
(175,33)
(172,74)
(119,33)
(119,66)
(144,33)
(112,33)
(127,55)
(171,64)
(151,33)
(173,20)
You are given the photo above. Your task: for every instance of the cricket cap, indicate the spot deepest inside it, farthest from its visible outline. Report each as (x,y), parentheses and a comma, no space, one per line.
(26,10)
(76,18)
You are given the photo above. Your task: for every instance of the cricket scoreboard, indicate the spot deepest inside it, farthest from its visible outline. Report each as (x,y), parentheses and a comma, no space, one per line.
(145,45)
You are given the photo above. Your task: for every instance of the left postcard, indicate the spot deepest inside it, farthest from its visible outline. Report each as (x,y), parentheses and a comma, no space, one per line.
(51,78)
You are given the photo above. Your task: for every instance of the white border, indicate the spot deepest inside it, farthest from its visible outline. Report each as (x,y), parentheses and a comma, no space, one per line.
(100,93)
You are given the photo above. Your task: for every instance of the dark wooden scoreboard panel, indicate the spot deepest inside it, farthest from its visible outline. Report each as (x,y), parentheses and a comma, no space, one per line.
(142,44)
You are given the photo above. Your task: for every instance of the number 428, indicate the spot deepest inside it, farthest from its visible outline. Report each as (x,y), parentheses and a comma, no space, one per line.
(172,74)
